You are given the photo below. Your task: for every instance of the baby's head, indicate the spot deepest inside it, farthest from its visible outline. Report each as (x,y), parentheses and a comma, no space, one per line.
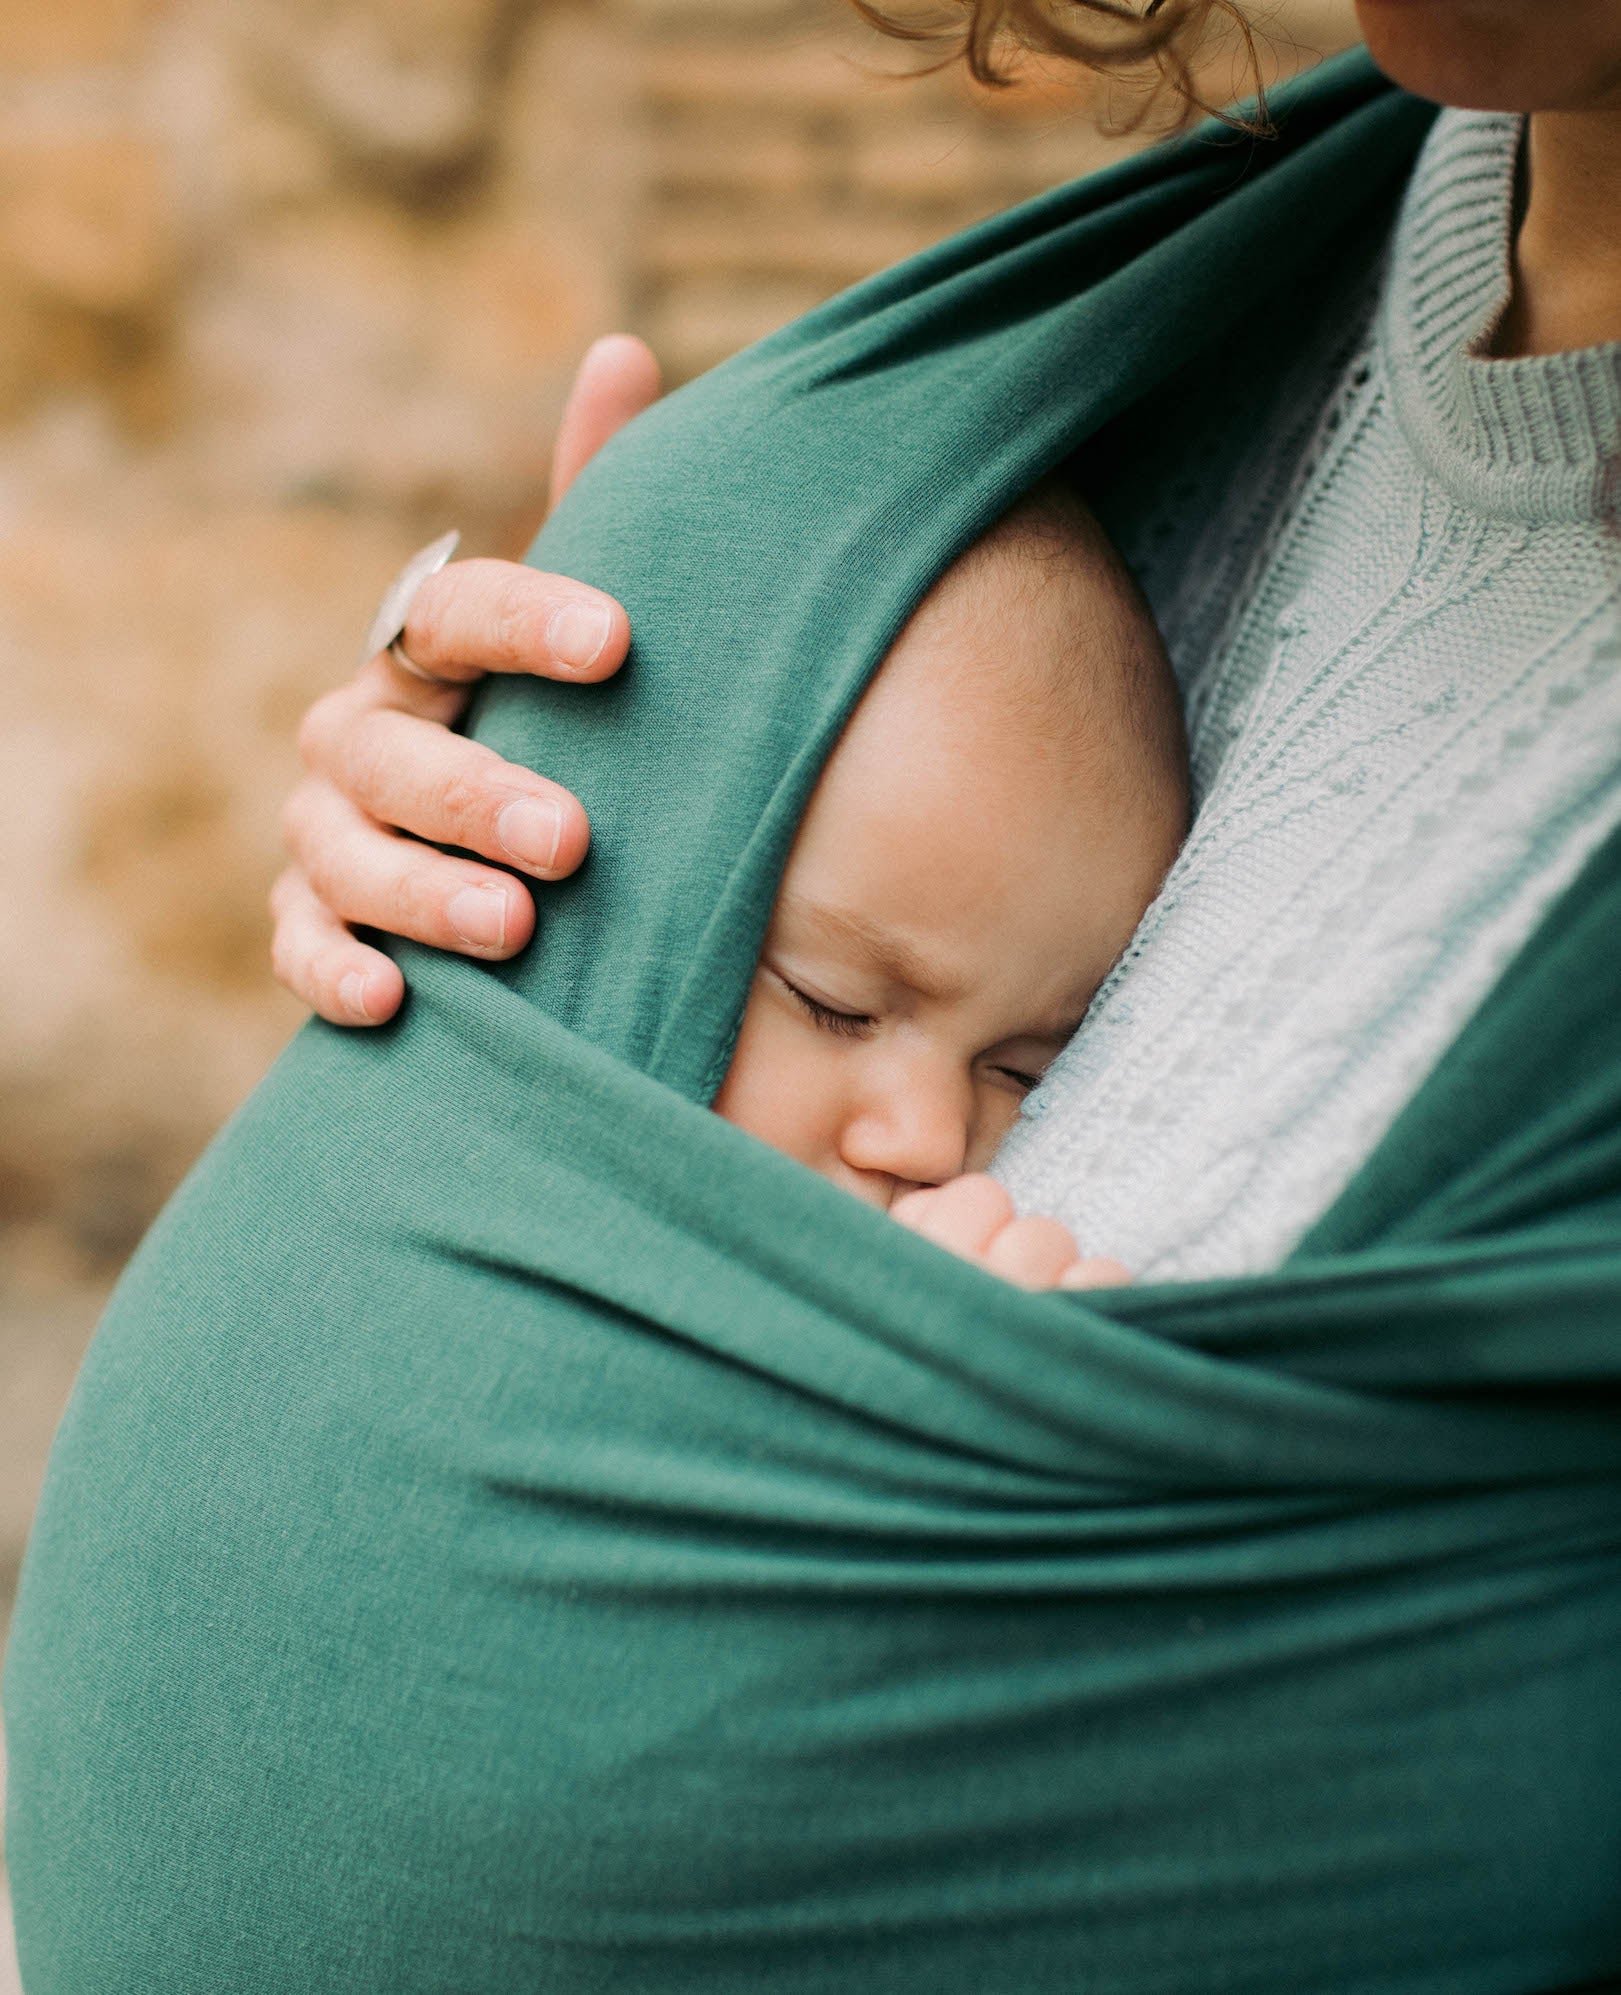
(1000,811)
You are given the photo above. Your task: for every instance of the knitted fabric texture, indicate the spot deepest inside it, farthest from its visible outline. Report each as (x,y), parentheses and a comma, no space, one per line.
(1405,723)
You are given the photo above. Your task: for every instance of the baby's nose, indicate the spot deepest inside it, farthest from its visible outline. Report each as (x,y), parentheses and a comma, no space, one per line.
(914,1132)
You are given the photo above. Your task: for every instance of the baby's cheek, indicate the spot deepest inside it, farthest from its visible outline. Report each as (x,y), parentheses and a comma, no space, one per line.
(995,1112)
(771,1089)
(743,1097)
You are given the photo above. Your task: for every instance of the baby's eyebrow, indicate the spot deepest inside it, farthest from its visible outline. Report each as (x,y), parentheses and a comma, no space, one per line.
(885,950)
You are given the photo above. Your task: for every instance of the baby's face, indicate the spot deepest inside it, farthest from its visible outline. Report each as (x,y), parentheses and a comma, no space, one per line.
(960,887)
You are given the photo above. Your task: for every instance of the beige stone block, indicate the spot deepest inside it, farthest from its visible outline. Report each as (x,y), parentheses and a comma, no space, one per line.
(22,340)
(698,323)
(1316,27)
(156,654)
(519,302)
(924,163)
(574,125)
(69,34)
(270,158)
(408,89)
(825,248)
(362,355)
(710,16)
(84,222)
(749,160)
(1041,157)
(811,76)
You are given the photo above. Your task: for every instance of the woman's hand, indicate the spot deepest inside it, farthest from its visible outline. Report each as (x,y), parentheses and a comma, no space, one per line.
(974,1217)
(382,761)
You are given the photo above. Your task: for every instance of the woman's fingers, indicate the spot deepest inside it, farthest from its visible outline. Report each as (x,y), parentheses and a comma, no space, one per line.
(617,379)
(499,616)
(322,964)
(403,770)
(366,874)
(474,617)
(381,760)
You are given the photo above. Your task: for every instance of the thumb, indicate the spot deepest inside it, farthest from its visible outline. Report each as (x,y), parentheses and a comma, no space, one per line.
(618,378)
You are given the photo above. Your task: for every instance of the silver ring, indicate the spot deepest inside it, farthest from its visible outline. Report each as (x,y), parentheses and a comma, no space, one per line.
(388,626)
(407,663)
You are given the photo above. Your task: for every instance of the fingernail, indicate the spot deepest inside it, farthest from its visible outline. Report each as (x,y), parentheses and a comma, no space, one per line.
(531,829)
(352,994)
(479,916)
(577,633)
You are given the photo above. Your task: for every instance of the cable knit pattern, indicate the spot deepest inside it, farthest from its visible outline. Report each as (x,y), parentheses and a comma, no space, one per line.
(1404,704)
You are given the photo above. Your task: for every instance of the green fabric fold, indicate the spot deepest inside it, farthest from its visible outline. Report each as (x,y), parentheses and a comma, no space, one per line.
(514,1532)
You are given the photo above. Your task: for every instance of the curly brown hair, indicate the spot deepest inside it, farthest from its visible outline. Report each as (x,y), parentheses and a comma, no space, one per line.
(1159,40)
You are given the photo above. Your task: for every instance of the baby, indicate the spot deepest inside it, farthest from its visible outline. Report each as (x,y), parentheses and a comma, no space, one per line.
(999,813)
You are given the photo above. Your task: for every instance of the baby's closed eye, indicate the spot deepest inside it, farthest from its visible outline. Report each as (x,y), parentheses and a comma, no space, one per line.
(831,1018)
(1022,1078)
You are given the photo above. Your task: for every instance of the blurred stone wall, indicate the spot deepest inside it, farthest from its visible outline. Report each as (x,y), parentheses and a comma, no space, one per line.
(286,286)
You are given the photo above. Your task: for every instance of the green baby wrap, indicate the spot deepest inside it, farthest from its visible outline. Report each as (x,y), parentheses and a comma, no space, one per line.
(513,1532)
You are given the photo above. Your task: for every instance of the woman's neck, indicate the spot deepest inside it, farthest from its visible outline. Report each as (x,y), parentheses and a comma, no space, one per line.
(1567,251)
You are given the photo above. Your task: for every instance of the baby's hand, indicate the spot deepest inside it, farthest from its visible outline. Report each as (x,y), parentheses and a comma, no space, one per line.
(973,1216)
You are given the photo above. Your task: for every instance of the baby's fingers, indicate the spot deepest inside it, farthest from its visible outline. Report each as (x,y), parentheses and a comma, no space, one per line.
(962,1216)
(1096,1272)
(1034,1253)
(973,1216)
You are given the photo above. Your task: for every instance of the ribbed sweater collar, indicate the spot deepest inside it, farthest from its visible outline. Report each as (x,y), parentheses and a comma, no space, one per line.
(1535,439)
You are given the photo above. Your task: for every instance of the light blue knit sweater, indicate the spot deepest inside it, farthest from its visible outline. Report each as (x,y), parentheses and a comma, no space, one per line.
(1402,666)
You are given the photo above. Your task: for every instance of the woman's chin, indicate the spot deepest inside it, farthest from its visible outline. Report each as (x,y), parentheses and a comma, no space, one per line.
(1499,55)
